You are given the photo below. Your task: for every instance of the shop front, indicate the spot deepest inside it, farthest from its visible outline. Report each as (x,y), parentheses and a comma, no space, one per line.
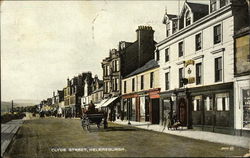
(212,108)
(128,107)
(242,105)
(175,103)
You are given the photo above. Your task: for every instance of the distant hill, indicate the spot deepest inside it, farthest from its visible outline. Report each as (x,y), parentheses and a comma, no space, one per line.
(6,106)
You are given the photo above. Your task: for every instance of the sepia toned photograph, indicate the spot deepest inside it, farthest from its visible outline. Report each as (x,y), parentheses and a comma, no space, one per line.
(142,78)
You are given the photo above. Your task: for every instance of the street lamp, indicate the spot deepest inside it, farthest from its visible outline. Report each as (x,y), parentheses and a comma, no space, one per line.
(173,97)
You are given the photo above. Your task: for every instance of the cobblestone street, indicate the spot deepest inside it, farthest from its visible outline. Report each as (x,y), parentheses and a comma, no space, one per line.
(56,137)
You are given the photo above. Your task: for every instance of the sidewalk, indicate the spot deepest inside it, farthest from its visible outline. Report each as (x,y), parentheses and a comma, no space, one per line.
(8,132)
(201,135)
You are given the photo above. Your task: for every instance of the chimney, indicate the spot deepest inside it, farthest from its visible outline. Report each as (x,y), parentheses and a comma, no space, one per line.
(145,33)
(146,45)
(68,82)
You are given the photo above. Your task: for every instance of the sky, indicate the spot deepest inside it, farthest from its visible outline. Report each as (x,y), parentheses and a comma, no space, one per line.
(45,42)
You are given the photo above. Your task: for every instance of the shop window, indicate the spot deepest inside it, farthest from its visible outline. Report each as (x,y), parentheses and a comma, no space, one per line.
(197,103)
(222,101)
(246,108)
(208,103)
(217,34)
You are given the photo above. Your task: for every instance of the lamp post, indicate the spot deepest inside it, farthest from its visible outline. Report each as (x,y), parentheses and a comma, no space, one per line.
(129,111)
(173,99)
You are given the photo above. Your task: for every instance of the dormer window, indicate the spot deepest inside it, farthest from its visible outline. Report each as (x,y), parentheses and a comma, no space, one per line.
(167,29)
(175,26)
(213,5)
(188,18)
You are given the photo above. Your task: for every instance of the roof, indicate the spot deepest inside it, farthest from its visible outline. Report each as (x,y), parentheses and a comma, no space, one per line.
(149,65)
(98,90)
(198,8)
(171,16)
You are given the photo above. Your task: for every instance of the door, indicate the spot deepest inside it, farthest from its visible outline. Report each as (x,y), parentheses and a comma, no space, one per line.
(155,111)
(182,111)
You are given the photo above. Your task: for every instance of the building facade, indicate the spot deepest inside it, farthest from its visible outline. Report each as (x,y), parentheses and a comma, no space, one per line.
(129,57)
(197,65)
(140,94)
(242,82)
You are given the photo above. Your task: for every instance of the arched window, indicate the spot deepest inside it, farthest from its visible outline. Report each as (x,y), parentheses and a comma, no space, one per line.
(188,18)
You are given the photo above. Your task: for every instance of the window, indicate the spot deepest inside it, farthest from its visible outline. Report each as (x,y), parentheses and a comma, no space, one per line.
(198,42)
(217,34)
(180,77)
(188,18)
(167,29)
(213,5)
(151,79)
(218,69)
(116,84)
(198,73)
(223,3)
(197,104)
(167,55)
(133,84)
(142,81)
(181,50)
(167,81)
(157,55)
(208,103)
(175,26)
(125,86)
(222,101)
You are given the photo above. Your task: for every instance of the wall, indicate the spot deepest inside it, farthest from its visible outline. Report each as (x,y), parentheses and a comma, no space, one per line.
(205,55)
(138,81)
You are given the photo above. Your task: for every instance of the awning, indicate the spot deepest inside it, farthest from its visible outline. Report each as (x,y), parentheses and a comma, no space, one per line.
(100,104)
(109,102)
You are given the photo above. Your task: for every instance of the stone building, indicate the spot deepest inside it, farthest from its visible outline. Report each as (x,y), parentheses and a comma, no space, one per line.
(122,61)
(197,64)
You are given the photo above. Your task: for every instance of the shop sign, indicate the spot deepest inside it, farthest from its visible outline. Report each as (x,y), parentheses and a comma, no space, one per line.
(191,80)
(189,62)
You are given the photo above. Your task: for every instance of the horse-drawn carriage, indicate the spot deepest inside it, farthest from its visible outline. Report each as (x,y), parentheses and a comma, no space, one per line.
(92,116)
(98,119)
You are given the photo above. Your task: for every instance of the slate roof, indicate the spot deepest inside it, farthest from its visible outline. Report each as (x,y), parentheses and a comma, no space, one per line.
(149,65)
(171,16)
(198,8)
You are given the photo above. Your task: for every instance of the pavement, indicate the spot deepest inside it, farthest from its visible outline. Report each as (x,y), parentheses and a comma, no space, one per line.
(8,132)
(233,140)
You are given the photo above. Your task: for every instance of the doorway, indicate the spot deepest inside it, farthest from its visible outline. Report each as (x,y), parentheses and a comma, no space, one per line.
(155,111)
(182,111)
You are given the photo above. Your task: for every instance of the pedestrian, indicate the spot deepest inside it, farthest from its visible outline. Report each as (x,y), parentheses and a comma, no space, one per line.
(166,121)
